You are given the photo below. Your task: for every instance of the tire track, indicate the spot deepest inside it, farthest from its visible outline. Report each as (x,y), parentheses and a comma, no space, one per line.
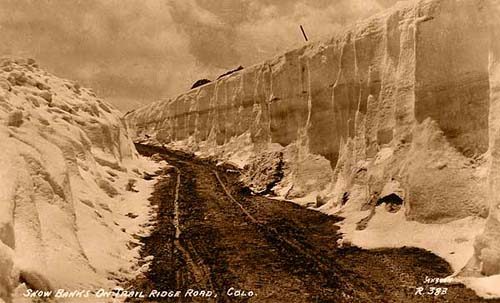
(271,230)
(176,204)
(200,272)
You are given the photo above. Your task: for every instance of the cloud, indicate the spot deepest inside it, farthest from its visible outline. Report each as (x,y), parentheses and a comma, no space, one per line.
(273,32)
(137,51)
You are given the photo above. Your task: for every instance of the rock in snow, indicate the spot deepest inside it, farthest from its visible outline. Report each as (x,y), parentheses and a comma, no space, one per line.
(59,146)
(389,98)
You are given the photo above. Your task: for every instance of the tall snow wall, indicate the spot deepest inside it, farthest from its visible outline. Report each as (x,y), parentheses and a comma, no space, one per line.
(406,97)
(65,159)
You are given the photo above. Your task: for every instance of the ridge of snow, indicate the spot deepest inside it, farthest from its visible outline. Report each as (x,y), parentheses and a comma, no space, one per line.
(65,163)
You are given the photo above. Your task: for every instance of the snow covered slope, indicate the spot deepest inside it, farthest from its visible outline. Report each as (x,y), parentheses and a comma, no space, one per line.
(407,99)
(65,161)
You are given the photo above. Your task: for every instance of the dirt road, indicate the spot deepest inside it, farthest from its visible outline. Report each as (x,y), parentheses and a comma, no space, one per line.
(216,240)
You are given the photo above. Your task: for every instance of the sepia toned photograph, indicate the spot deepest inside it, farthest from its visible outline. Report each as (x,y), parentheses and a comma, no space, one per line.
(274,151)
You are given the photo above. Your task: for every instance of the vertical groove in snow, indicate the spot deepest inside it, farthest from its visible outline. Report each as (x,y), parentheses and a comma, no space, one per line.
(309,96)
(176,204)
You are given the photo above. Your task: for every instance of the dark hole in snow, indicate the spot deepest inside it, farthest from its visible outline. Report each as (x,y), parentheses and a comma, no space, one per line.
(274,99)
(131,185)
(393,202)
(345,198)
(390,199)
(131,215)
(148,176)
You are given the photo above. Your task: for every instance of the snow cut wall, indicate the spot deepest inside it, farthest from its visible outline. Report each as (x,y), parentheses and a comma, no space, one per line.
(408,96)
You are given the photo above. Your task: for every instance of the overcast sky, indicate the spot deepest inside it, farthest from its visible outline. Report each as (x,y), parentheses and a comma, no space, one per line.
(133,52)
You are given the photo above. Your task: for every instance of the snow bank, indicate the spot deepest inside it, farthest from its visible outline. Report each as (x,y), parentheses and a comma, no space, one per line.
(452,241)
(65,163)
(339,108)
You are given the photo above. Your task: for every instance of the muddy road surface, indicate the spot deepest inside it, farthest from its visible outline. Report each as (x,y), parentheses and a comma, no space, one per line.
(214,241)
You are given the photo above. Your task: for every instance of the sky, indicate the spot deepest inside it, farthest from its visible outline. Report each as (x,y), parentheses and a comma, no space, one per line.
(133,52)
